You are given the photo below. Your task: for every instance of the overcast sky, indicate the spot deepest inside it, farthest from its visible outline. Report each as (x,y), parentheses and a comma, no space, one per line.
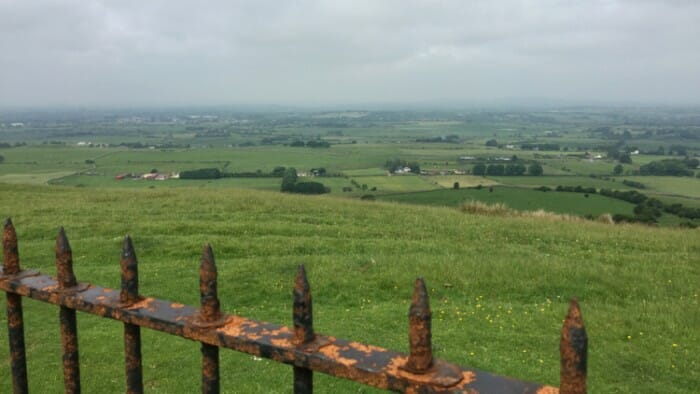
(299,52)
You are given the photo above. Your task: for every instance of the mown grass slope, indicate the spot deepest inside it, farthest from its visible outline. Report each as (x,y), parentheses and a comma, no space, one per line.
(499,286)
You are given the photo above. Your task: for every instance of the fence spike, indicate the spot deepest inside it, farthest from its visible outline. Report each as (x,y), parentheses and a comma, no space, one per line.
(15,320)
(64,261)
(574,352)
(211,310)
(421,353)
(302,314)
(130,273)
(9,249)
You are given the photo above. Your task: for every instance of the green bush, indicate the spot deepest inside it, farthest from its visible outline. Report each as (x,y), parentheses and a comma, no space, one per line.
(202,173)
(310,188)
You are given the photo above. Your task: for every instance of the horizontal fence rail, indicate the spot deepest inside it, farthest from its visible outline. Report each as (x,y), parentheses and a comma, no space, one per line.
(299,345)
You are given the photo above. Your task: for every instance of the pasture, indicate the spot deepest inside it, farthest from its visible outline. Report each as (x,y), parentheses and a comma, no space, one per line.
(519,199)
(638,286)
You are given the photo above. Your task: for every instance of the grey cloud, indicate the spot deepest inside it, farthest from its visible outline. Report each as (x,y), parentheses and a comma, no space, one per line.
(187,52)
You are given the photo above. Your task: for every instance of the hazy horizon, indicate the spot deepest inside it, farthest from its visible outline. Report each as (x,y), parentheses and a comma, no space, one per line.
(312,54)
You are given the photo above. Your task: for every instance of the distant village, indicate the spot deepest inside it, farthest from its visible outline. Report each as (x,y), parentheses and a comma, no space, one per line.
(151,176)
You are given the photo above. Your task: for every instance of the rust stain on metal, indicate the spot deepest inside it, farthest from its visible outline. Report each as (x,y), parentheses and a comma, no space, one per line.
(574,352)
(419,315)
(144,303)
(233,326)
(302,315)
(368,350)
(334,351)
(441,374)
(129,293)
(282,343)
(468,376)
(209,296)
(64,261)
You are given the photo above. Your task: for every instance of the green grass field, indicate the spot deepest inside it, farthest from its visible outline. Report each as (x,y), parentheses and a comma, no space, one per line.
(499,286)
(554,181)
(520,199)
(671,185)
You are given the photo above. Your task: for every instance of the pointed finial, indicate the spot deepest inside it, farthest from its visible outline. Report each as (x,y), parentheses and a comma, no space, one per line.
(64,262)
(574,352)
(209,298)
(302,314)
(9,249)
(130,274)
(420,334)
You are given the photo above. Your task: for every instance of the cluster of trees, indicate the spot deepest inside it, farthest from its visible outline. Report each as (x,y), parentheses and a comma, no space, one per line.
(311,144)
(395,164)
(202,173)
(670,167)
(215,173)
(638,185)
(540,146)
(290,184)
(576,189)
(445,138)
(647,210)
(632,196)
(515,169)
(684,212)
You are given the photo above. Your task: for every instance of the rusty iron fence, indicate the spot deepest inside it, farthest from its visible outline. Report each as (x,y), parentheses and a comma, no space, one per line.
(298,346)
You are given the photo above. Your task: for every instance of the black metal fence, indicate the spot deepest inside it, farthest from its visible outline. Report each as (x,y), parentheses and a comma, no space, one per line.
(298,346)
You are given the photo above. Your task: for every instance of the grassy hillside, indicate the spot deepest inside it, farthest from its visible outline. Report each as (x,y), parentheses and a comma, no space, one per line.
(499,286)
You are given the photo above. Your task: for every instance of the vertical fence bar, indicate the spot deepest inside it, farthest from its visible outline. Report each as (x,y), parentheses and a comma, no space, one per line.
(420,334)
(210,313)
(303,329)
(69,327)
(15,321)
(132,333)
(574,352)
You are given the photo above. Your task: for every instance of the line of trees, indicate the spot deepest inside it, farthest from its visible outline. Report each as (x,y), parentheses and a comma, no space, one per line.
(670,167)
(647,209)
(515,169)
(310,144)
(202,173)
